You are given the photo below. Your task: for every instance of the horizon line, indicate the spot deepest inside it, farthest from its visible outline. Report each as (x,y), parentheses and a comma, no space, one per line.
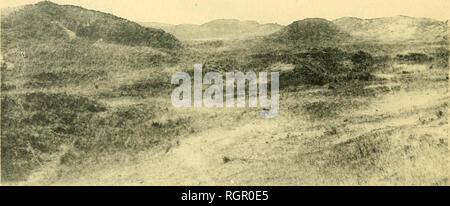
(225,18)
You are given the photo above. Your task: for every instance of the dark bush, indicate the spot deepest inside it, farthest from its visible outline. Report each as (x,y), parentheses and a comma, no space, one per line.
(322,66)
(62,78)
(39,123)
(413,58)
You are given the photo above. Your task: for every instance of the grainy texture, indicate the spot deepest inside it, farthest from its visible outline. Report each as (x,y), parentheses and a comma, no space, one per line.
(86,100)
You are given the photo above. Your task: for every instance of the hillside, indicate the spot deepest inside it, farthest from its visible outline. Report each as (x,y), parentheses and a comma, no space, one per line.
(217,29)
(49,21)
(394,29)
(86,99)
(310,31)
(56,63)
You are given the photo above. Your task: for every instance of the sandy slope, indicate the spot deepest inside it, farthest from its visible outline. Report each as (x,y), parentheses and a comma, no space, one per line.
(396,139)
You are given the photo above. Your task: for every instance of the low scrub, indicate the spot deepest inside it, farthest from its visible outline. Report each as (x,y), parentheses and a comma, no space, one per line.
(36,127)
(62,78)
(415,58)
(323,66)
(141,88)
(36,124)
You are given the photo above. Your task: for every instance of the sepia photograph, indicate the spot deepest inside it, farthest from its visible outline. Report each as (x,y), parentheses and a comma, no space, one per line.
(224,93)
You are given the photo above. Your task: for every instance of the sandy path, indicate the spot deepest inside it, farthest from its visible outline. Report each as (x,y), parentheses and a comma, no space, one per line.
(269,151)
(262,151)
(196,160)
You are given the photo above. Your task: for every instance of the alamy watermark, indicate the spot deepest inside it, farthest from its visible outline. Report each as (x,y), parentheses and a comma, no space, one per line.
(213,95)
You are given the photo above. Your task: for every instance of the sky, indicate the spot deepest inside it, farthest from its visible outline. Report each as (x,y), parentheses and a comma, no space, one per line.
(264,11)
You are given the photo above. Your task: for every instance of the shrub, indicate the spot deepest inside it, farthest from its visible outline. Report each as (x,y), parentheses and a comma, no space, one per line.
(416,58)
(322,66)
(61,78)
(36,126)
(38,123)
(322,109)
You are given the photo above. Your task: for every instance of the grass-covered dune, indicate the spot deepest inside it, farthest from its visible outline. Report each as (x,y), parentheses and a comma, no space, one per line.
(84,94)
(46,20)
(52,55)
(69,129)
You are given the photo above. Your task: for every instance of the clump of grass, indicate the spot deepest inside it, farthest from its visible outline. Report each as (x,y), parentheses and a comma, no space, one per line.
(6,87)
(414,58)
(322,109)
(441,57)
(330,108)
(331,131)
(62,78)
(208,44)
(141,88)
(356,88)
(37,125)
(226,159)
(441,112)
(320,67)
(360,147)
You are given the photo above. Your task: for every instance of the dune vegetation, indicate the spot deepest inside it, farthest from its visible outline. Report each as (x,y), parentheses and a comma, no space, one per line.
(85,99)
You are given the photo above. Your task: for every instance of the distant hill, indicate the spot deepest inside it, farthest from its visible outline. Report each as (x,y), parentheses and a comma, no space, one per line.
(310,31)
(217,29)
(394,29)
(47,20)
